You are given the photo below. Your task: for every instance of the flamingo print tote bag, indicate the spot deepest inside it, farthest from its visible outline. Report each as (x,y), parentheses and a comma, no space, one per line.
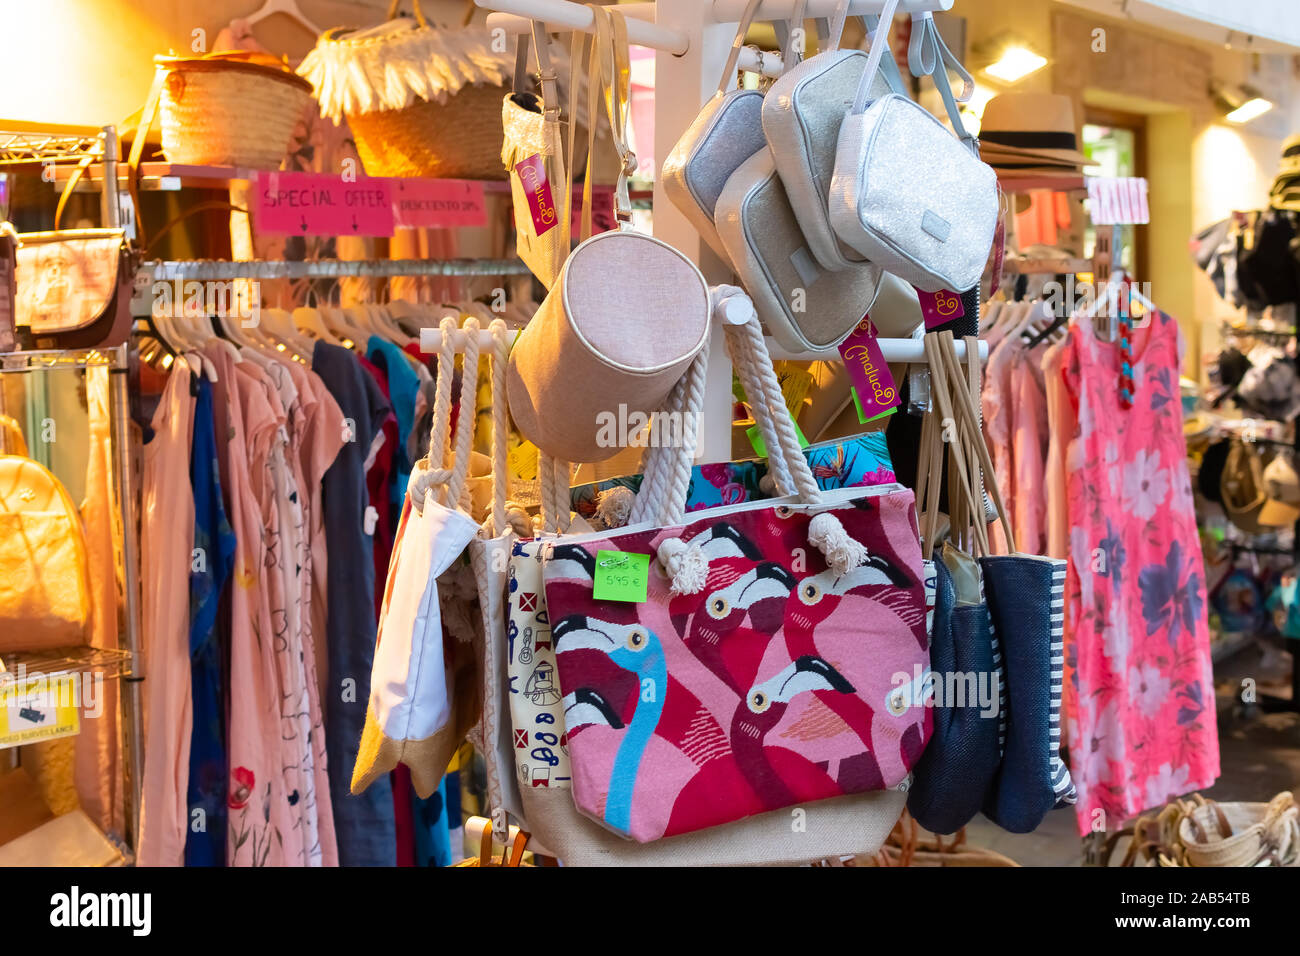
(777,656)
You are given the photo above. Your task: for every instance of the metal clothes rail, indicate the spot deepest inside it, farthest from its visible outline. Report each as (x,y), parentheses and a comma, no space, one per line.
(220,270)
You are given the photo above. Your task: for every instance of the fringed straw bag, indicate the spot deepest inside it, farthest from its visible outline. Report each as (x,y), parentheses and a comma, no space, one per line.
(421,100)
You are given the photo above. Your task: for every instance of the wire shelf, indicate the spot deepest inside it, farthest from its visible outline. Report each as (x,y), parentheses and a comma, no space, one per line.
(110,664)
(50,145)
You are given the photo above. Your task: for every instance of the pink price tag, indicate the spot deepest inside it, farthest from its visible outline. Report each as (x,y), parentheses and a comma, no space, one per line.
(320,205)
(940,308)
(438,203)
(999,253)
(541,201)
(602,210)
(868,372)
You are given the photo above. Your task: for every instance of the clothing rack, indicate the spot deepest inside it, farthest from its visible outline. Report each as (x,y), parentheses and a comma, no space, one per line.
(127,663)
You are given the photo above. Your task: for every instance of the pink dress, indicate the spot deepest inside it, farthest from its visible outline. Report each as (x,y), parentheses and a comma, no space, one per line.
(260,824)
(1139,693)
(166,543)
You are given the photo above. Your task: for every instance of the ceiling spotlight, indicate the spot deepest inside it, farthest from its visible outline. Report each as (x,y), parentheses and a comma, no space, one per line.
(1240,104)
(1014,61)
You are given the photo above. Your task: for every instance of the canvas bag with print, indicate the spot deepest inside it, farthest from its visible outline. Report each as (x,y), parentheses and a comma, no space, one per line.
(854,824)
(762,670)
(489,558)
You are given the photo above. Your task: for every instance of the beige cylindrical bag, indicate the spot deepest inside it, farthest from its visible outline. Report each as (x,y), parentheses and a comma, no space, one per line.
(625,317)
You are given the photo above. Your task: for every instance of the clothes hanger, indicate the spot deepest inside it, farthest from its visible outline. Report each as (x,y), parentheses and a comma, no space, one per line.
(307,319)
(405,315)
(207,368)
(219,336)
(991,313)
(288,7)
(381,321)
(310,321)
(279,324)
(338,320)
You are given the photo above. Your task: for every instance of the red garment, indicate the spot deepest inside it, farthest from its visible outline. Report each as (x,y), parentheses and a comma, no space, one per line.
(379,476)
(404,814)
(428,361)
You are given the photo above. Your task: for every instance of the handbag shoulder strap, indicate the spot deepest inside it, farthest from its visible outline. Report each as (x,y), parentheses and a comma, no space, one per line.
(545,70)
(878,45)
(733,58)
(965,404)
(793,29)
(830,32)
(928,54)
(888,65)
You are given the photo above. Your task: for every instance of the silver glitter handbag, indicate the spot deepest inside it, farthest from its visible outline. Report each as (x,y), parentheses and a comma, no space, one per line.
(906,193)
(727,131)
(801,121)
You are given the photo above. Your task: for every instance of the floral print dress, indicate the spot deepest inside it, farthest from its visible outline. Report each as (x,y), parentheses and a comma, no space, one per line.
(1139,693)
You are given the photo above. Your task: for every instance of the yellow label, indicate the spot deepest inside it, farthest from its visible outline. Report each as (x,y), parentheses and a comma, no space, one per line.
(39,708)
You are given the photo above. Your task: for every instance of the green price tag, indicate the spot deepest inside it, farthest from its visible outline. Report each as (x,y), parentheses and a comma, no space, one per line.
(621,576)
(862,416)
(760,447)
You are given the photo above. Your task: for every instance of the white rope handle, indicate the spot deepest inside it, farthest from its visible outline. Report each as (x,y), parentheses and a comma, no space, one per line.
(691,404)
(452,471)
(427,474)
(458,488)
(753,364)
(500,425)
(554,475)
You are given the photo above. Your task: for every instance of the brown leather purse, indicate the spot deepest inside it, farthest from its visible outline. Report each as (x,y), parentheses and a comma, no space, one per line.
(74,288)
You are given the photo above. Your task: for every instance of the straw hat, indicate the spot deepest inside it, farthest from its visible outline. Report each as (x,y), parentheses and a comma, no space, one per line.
(1030,131)
(1290,157)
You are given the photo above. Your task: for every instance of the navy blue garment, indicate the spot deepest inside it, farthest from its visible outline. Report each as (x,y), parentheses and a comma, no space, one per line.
(956,770)
(1026,597)
(365,824)
(210,568)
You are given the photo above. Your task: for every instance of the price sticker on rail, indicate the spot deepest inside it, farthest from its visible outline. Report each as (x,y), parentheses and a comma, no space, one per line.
(621,576)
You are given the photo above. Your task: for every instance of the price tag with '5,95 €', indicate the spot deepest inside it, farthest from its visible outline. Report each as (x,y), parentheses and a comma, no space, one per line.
(621,576)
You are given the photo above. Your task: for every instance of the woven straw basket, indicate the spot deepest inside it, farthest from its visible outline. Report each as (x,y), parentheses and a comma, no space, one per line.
(229,109)
(458,139)
(420,100)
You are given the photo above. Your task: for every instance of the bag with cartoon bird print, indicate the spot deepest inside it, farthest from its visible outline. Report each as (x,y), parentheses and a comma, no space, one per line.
(774,661)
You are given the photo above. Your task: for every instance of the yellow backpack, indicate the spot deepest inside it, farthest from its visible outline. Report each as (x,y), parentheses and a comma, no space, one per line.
(44,575)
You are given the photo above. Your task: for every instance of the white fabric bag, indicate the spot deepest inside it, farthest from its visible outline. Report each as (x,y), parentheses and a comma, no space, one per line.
(424,696)
(906,193)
